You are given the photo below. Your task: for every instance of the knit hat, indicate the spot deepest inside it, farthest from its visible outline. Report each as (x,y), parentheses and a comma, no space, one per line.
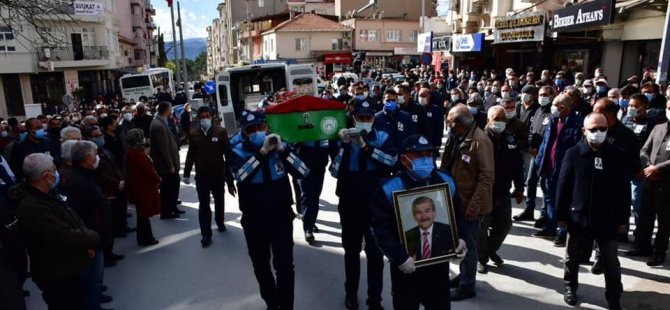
(135,138)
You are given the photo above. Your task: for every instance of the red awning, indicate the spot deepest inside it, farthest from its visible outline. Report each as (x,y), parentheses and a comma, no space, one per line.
(337,58)
(304,104)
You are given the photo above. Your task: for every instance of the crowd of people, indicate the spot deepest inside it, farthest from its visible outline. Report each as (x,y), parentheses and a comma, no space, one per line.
(594,151)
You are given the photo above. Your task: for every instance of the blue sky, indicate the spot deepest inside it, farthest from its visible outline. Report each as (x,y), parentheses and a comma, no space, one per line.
(195,14)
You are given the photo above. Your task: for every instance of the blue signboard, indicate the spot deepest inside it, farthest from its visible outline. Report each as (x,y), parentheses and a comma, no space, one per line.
(467,43)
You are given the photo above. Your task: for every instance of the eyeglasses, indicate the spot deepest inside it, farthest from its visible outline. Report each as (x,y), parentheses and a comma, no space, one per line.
(601,129)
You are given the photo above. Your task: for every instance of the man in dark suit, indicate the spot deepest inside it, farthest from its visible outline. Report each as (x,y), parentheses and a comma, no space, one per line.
(429,238)
(165,154)
(593,203)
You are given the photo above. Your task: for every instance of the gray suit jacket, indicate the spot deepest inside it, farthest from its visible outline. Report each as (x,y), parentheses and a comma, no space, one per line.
(657,147)
(164,150)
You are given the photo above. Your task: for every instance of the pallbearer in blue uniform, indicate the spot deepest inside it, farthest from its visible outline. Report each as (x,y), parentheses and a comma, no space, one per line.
(260,163)
(362,155)
(411,287)
(315,156)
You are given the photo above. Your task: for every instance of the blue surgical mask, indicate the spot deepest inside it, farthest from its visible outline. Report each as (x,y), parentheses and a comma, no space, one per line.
(56,181)
(623,102)
(559,83)
(205,123)
(257,138)
(99,141)
(39,134)
(23,136)
(422,167)
(473,110)
(649,96)
(601,89)
(360,97)
(391,106)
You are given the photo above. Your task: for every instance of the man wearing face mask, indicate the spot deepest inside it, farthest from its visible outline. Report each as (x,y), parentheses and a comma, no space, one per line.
(508,169)
(260,164)
(656,100)
(588,91)
(360,160)
(396,123)
(53,136)
(434,119)
(468,157)
(412,287)
(592,200)
(475,105)
(602,87)
(207,149)
(514,125)
(563,132)
(560,81)
(343,94)
(579,80)
(164,152)
(494,96)
(537,130)
(35,142)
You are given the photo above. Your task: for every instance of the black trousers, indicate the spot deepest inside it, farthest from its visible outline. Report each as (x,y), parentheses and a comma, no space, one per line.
(144,232)
(427,286)
(272,239)
(355,220)
(119,211)
(169,192)
(655,207)
(204,186)
(608,250)
(11,283)
(494,228)
(64,294)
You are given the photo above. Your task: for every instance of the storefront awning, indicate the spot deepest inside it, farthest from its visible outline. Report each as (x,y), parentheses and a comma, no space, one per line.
(372,53)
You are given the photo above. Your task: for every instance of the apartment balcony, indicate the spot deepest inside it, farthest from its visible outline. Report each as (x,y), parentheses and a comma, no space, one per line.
(68,57)
(150,9)
(65,13)
(138,21)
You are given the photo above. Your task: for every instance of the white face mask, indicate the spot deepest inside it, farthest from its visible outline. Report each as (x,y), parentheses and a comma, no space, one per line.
(544,101)
(505,95)
(127,116)
(525,98)
(423,101)
(494,89)
(554,111)
(632,112)
(667,115)
(597,137)
(455,98)
(401,99)
(367,126)
(510,115)
(498,127)
(97,162)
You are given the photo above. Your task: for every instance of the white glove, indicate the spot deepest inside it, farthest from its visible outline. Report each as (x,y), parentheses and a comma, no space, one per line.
(280,145)
(186,180)
(268,144)
(358,141)
(461,250)
(408,266)
(344,135)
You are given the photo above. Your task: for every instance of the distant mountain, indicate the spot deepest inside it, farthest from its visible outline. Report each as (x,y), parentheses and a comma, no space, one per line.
(192,47)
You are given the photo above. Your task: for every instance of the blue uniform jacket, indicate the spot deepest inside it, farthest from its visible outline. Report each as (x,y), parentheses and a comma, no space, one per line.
(571,134)
(398,125)
(384,224)
(262,180)
(359,170)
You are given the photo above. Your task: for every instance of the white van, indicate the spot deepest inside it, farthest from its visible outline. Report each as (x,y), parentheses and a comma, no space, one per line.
(243,87)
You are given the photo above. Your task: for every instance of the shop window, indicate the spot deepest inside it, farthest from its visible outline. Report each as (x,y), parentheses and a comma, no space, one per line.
(393,35)
(7,43)
(336,44)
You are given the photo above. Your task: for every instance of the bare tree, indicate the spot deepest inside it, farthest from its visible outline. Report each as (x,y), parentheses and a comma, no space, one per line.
(44,18)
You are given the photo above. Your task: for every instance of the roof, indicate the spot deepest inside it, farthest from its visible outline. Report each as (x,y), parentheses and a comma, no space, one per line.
(309,22)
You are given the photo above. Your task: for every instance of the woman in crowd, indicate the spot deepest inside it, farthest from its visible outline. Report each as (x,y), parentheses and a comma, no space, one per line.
(142,186)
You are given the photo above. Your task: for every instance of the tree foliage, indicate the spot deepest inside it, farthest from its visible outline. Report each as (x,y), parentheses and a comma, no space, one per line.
(42,17)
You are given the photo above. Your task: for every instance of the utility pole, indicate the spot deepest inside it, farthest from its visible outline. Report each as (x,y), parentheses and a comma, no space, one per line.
(423,16)
(249,33)
(184,73)
(664,57)
(174,47)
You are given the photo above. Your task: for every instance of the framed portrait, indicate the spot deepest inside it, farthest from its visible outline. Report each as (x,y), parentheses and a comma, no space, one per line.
(427,223)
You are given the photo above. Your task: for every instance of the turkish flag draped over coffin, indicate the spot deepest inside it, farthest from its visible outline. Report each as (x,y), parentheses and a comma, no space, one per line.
(306,118)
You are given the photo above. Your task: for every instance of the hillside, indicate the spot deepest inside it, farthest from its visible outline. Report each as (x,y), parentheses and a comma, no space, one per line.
(192,47)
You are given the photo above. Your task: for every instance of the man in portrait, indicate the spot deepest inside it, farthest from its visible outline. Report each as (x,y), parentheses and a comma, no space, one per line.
(429,238)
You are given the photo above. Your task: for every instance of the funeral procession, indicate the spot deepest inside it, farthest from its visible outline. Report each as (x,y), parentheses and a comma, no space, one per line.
(334,154)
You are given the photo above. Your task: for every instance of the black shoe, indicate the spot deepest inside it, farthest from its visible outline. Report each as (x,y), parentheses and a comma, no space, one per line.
(205,242)
(177,211)
(315,229)
(570,296)
(222,228)
(638,252)
(559,242)
(545,235)
(105,299)
(496,259)
(598,267)
(130,229)
(148,243)
(455,282)
(458,294)
(375,306)
(656,260)
(481,268)
(110,263)
(178,201)
(309,237)
(169,216)
(540,223)
(351,302)
(614,305)
(116,256)
(524,216)
(103,288)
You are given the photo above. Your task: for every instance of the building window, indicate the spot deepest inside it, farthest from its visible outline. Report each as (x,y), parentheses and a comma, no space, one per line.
(393,35)
(261,3)
(336,44)
(413,35)
(7,40)
(372,35)
(87,36)
(300,44)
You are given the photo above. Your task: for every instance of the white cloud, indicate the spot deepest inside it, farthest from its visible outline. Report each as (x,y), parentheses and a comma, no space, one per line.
(193,25)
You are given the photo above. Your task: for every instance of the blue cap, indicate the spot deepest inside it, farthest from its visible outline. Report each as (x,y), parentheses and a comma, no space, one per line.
(250,118)
(362,107)
(416,143)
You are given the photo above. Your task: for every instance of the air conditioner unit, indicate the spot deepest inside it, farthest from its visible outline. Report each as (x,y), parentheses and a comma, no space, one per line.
(346,35)
(346,43)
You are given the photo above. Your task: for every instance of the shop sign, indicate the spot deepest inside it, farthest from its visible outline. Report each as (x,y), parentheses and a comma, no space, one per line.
(441,44)
(424,42)
(337,58)
(520,28)
(467,43)
(578,16)
(405,51)
(87,8)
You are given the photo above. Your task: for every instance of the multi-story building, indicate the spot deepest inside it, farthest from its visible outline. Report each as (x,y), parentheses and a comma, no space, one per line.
(135,30)
(80,50)
(323,7)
